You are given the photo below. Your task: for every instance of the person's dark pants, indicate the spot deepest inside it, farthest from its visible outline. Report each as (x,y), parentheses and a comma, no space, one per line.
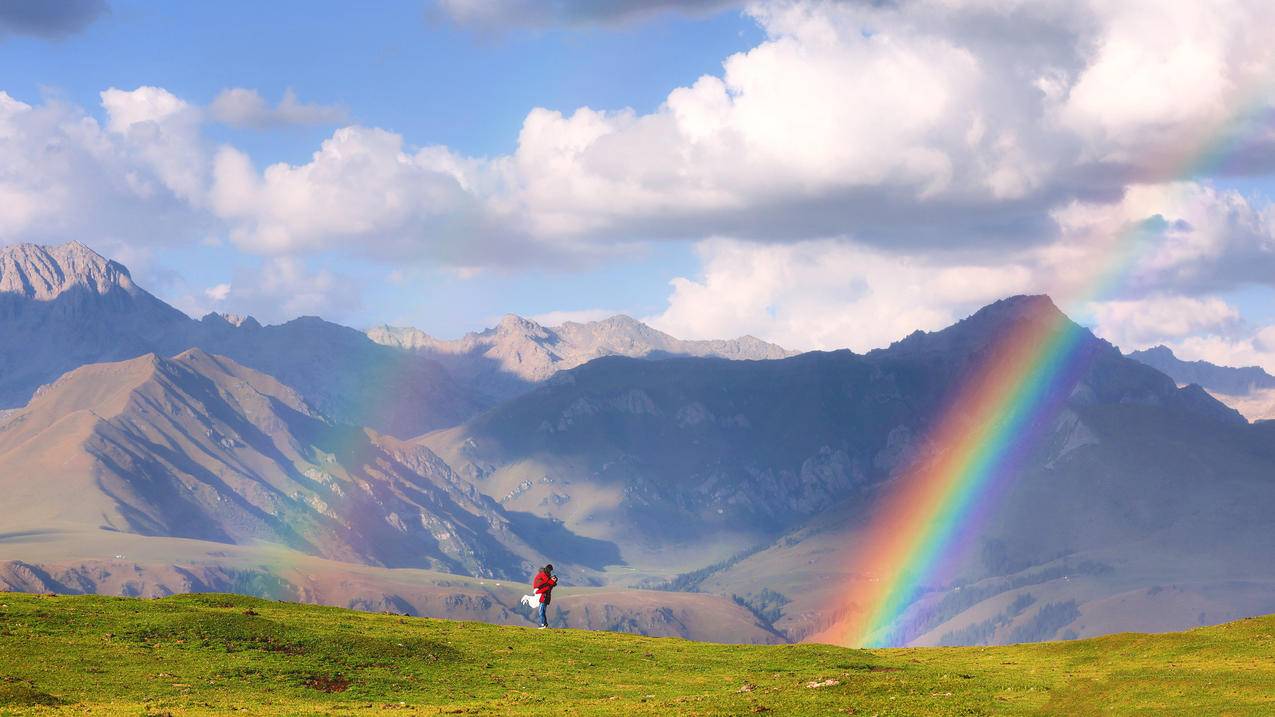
(544,619)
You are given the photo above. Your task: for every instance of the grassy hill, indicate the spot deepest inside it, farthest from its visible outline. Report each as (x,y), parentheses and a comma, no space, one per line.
(214,654)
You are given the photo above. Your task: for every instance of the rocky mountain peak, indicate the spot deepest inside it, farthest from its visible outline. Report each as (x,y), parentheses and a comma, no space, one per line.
(1226,379)
(622,321)
(1157,352)
(1249,389)
(982,327)
(626,326)
(43,273)
(237,321)
(517,325)
(1018,308)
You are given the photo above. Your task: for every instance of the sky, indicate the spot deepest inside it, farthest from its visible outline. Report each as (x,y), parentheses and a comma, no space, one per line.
(822,174)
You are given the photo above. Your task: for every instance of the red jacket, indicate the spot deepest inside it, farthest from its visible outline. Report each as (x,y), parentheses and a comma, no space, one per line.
(543,585)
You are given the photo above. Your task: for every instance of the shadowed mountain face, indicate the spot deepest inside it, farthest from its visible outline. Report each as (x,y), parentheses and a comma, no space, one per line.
(1224,379)
(63,307)
(344,375)
(200,447)
(1249,390)
(772,467)
(690,447)
(507,360)
(152,476)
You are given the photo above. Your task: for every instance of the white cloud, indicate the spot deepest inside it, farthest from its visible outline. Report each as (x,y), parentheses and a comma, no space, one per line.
(904,125)
(246,108)
(64,176)
(916,124)
(936,153)
(218,292)
(361,184)
(827,294)
(1165,78)
(283,288)
(1254,347)
(158,129)
(1142,271)
(141,106)
(1181,237)
(1142,323)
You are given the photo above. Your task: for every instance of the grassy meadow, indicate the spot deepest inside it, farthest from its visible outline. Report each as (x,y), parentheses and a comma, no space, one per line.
(219,654)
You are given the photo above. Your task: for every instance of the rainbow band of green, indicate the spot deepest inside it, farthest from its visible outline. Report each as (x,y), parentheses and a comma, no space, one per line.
(983,453)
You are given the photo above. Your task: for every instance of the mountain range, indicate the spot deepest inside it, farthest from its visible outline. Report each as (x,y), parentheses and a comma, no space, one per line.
(65,306)
(200,447)
(707,489)
(752,477)
(518,353)
(1249,390)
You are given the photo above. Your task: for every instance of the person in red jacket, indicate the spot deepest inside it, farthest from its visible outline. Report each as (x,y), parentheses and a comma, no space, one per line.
(543,586)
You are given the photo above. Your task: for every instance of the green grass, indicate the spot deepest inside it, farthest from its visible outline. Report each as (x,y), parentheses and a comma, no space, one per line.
(214,654)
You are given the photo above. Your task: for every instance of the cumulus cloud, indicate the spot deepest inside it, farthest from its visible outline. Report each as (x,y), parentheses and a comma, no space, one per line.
(828,294)
(156,128)
(63,175)
(909,126)
(143,106)
(49,19)
(1184,237)
(936,153)
(1141,271)
(362,183)
(218,292)
(500,14)
(1142,323)
(1165,81)
(280,289)
(920,124)
(241,107)
(1252,348)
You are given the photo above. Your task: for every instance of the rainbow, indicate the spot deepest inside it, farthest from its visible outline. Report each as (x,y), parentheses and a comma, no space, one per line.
(979,438)
(991,422)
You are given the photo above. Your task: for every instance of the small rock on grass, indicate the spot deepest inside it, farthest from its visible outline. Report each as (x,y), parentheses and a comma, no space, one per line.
(814,684)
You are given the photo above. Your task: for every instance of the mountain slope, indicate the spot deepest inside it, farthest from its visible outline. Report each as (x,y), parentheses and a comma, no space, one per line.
(1224,379)
(760,474)
(506,360)
(345,375)
(201,447)
(65,306)
(1249,390)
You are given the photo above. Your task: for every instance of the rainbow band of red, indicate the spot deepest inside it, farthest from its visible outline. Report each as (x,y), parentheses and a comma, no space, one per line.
(977,439)
(988,427)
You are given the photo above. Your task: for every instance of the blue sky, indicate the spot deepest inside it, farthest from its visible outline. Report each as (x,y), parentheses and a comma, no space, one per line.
(819,174)
(398,65)
(394,64)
